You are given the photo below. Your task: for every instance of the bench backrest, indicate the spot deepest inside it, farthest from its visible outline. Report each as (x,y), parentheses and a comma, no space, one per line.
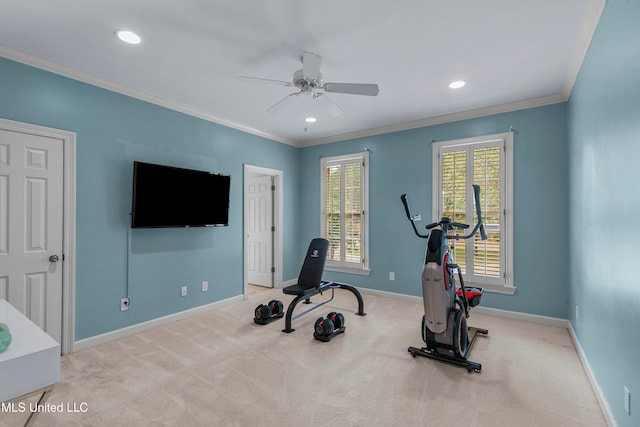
(313,266)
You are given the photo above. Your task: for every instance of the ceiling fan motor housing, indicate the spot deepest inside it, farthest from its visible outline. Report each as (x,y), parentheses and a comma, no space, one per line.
(306,84)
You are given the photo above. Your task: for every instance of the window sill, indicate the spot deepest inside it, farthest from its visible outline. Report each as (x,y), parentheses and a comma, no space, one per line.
(351,270)
(496,289)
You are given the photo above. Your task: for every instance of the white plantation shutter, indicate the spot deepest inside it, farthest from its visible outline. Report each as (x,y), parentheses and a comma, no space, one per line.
(485,161)
(487,254)
(352,211)
(454,197)
(333,218)
(344,206)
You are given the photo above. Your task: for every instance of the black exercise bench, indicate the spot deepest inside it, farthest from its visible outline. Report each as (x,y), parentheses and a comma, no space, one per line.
(310,283)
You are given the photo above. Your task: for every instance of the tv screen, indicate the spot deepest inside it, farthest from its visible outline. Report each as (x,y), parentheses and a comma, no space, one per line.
(166,196)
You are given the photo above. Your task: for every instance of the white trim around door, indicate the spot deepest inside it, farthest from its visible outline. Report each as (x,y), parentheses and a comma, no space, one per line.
(249,171)
(69,221)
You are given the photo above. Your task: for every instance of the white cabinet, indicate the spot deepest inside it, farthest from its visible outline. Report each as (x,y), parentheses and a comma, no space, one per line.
(32,361)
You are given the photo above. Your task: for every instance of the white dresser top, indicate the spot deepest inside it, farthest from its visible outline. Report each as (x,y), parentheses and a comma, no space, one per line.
(31,361)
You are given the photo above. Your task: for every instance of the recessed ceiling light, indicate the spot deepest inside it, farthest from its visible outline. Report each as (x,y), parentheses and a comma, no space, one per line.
(128,36)
(457,84)
(310,120)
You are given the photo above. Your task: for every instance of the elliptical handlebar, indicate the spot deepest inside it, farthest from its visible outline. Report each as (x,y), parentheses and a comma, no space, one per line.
(476,193)
(479,225)
(460,225)
(449,225)
(413,219)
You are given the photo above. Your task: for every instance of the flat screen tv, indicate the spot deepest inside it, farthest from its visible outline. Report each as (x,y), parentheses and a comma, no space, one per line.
(166,196)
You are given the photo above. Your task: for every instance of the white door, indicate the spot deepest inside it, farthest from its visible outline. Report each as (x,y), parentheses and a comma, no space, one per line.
(260,231)
(31,227)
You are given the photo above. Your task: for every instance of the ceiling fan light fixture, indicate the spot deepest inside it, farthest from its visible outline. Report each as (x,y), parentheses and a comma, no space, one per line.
(128,36)
(310,120)
(457,84)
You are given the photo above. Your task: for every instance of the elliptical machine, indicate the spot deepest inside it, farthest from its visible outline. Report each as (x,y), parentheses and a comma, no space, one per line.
(446,306)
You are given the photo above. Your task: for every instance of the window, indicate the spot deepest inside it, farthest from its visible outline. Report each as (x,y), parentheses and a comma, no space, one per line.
(485,161)
(344,207)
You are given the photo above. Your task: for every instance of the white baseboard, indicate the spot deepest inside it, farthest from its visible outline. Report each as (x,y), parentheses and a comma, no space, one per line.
(386,294)
(526,317)
(602,401)
(133,329)
(533,318)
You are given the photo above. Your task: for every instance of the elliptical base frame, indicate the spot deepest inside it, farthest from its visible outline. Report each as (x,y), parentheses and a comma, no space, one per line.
(473,333)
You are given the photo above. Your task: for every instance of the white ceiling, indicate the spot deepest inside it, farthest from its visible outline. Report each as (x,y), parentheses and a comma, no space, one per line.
(512,54)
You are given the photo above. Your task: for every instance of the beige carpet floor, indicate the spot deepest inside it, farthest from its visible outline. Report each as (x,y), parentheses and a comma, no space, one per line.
(220,369)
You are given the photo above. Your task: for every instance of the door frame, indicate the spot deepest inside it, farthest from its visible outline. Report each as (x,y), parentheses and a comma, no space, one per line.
(262,187)
(276,174)
(69,221)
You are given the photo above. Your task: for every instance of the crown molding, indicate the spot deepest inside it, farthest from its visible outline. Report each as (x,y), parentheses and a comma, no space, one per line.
(591,21)
(590,24)
(52,67)
(588,30)
(447,118)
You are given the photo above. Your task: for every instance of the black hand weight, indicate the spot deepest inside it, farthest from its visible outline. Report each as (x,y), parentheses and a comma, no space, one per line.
(323,327)
(337,319)
(328,327)
(262,312)
(276,307)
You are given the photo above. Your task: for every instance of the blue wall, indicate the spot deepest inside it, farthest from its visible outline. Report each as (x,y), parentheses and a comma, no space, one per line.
(400,162)
(112,131)
(604,147)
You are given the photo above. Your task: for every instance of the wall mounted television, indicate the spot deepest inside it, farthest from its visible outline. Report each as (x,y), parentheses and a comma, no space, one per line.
(167,196)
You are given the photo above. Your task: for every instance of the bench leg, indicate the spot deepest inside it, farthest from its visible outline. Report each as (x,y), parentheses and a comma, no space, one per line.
(287,320)
(307,300)
(355,292)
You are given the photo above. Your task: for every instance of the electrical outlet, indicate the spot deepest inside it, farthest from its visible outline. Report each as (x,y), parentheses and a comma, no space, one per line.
(627,401)
(392,276)
(577,312)
(205,286)
(124,304)
(183,291)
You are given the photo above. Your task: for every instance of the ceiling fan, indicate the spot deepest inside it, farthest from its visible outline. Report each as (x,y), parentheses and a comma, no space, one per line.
(309,81)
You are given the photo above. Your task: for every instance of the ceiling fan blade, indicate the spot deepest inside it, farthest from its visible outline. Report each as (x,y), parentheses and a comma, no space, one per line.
(311,65)
(333,108)
(283,102)
(352,88)
(259,80)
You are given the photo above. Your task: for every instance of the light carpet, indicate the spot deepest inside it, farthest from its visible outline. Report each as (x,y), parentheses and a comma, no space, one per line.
(221,369)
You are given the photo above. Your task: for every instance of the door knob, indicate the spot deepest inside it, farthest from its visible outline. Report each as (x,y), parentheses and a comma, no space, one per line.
(54,258)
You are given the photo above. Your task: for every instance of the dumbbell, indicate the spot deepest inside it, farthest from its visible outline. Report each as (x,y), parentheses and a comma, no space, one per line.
(276,307)
(325,327)
(264,312)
